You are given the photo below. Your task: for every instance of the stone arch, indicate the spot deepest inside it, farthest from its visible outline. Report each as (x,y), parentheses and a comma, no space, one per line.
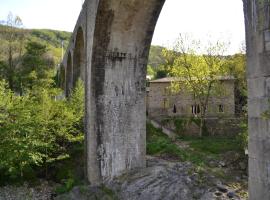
(79,57)
(69,77)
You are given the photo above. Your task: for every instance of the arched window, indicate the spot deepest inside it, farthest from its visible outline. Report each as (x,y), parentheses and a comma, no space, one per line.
(174,109)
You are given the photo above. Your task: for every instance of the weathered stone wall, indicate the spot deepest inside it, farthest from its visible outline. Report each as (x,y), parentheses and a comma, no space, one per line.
(214,126)
(257,20)
(161,101)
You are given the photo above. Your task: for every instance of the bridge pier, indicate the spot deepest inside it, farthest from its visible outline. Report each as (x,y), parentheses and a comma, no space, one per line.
(257,20)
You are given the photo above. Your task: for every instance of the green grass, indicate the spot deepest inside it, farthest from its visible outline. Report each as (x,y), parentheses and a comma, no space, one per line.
(213,144)
(160,144)
(201,149)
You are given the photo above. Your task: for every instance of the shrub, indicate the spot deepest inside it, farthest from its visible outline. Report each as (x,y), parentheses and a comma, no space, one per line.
(242,137)
(36,129)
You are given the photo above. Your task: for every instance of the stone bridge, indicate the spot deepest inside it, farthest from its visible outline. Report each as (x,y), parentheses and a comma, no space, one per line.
(109,51)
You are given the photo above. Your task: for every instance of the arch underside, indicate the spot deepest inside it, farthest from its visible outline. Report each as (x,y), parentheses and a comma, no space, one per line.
(79,57)
(69,78)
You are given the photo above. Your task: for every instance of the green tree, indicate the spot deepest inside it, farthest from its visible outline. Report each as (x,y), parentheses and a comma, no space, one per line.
(236,66)
(14,36)
(37,68)
(150,71)
(36,129)
(197,67)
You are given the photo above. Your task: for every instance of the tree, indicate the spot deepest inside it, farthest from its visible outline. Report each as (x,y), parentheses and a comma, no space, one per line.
(36,68)
(15,36)
(36,129)
(197,67)
(236,66)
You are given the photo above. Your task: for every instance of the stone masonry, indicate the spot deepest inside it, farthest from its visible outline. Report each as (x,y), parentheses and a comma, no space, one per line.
(162,102)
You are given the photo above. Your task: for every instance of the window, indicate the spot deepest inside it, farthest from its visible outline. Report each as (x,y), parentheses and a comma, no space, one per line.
(195,109)
(221,108)
(165,103)
(166,91)
(174,109)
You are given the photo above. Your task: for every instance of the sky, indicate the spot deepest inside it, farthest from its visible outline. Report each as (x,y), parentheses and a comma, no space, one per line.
(204,19)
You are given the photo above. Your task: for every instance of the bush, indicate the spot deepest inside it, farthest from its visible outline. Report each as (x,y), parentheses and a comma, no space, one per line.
(242,137)
(36,129)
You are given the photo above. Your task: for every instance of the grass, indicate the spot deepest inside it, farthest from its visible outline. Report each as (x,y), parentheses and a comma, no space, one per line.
(200,151)
(160,144)
(213,144)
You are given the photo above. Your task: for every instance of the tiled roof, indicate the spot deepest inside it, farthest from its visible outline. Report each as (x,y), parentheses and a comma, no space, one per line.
(172,79)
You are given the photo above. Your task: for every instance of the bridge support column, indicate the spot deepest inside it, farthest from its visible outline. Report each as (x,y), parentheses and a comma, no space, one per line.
(257,22)
(116,82)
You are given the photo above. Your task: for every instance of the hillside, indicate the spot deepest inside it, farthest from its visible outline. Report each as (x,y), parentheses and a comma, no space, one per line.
(54,38)
(51,38)
(155,57)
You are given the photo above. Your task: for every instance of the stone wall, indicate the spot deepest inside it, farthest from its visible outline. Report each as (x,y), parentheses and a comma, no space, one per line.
(214,126)
(161,102)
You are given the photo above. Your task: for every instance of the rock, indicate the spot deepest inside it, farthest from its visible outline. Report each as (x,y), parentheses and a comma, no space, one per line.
(222,164)
(231,194)
(40,192)
(222,188)
(212,163)
(243,165)
(218,194)
(160,180)
(194,176)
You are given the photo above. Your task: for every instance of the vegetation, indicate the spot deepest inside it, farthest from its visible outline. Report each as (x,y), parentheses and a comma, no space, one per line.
(199,151)
(38,126)
(36,129)
(196,72)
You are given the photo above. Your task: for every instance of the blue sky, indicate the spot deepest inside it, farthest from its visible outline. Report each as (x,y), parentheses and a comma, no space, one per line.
(218,18)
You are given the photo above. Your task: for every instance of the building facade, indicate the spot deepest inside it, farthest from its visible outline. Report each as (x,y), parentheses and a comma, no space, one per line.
(161,102)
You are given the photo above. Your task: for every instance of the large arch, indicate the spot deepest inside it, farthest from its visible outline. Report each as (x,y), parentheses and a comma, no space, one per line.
(118,37)
(79,57)
(69,78)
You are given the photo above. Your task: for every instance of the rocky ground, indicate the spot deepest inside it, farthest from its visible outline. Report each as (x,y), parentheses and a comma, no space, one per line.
(162,179)
(221,177)
(44,191)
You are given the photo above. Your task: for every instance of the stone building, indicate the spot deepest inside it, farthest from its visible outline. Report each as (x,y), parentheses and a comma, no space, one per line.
(161,102)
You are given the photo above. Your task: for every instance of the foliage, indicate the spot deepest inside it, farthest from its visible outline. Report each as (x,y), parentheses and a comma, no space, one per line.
(159,143)
(161,72)
(197,68)
(155,57)
(35,69)
(180,124)
(36,129)
(37,125)
(66,186)
(150,71)
(12,38)
(236,66)
(243,136)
